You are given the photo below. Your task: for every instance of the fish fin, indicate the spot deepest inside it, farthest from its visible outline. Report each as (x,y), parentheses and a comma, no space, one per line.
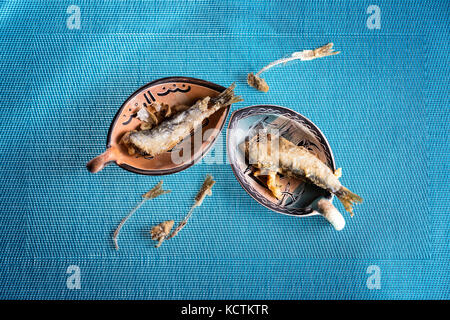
(204,103)
(348,199)
(338,173)
(273,185)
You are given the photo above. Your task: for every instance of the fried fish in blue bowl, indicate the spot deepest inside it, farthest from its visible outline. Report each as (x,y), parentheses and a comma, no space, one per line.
(284,161)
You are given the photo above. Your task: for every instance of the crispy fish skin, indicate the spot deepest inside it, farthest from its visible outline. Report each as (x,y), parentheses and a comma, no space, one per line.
(296,161)
(170,132)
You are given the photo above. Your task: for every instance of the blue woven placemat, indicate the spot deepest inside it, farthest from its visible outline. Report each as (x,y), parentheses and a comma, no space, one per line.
(382,104)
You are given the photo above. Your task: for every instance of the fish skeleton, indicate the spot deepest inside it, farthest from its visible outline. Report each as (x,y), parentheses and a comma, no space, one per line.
(275,154)
(170,132)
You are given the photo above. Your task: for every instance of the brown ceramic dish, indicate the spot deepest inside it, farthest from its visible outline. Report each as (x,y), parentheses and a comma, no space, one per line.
(172,91)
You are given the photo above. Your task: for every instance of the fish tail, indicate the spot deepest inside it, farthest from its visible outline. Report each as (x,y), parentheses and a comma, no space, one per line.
(227,97)
(348,199)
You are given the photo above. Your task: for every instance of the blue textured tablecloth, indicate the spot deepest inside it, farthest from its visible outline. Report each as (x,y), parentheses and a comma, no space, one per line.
(383,104)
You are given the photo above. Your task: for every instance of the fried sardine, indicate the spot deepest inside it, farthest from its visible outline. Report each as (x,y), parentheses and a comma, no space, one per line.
(170,132)
(274,154)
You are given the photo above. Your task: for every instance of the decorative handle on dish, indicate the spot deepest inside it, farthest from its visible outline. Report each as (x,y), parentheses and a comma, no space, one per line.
(329,212)
(101,161)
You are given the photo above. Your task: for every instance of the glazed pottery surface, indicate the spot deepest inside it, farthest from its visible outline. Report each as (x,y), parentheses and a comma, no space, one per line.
(171,91)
